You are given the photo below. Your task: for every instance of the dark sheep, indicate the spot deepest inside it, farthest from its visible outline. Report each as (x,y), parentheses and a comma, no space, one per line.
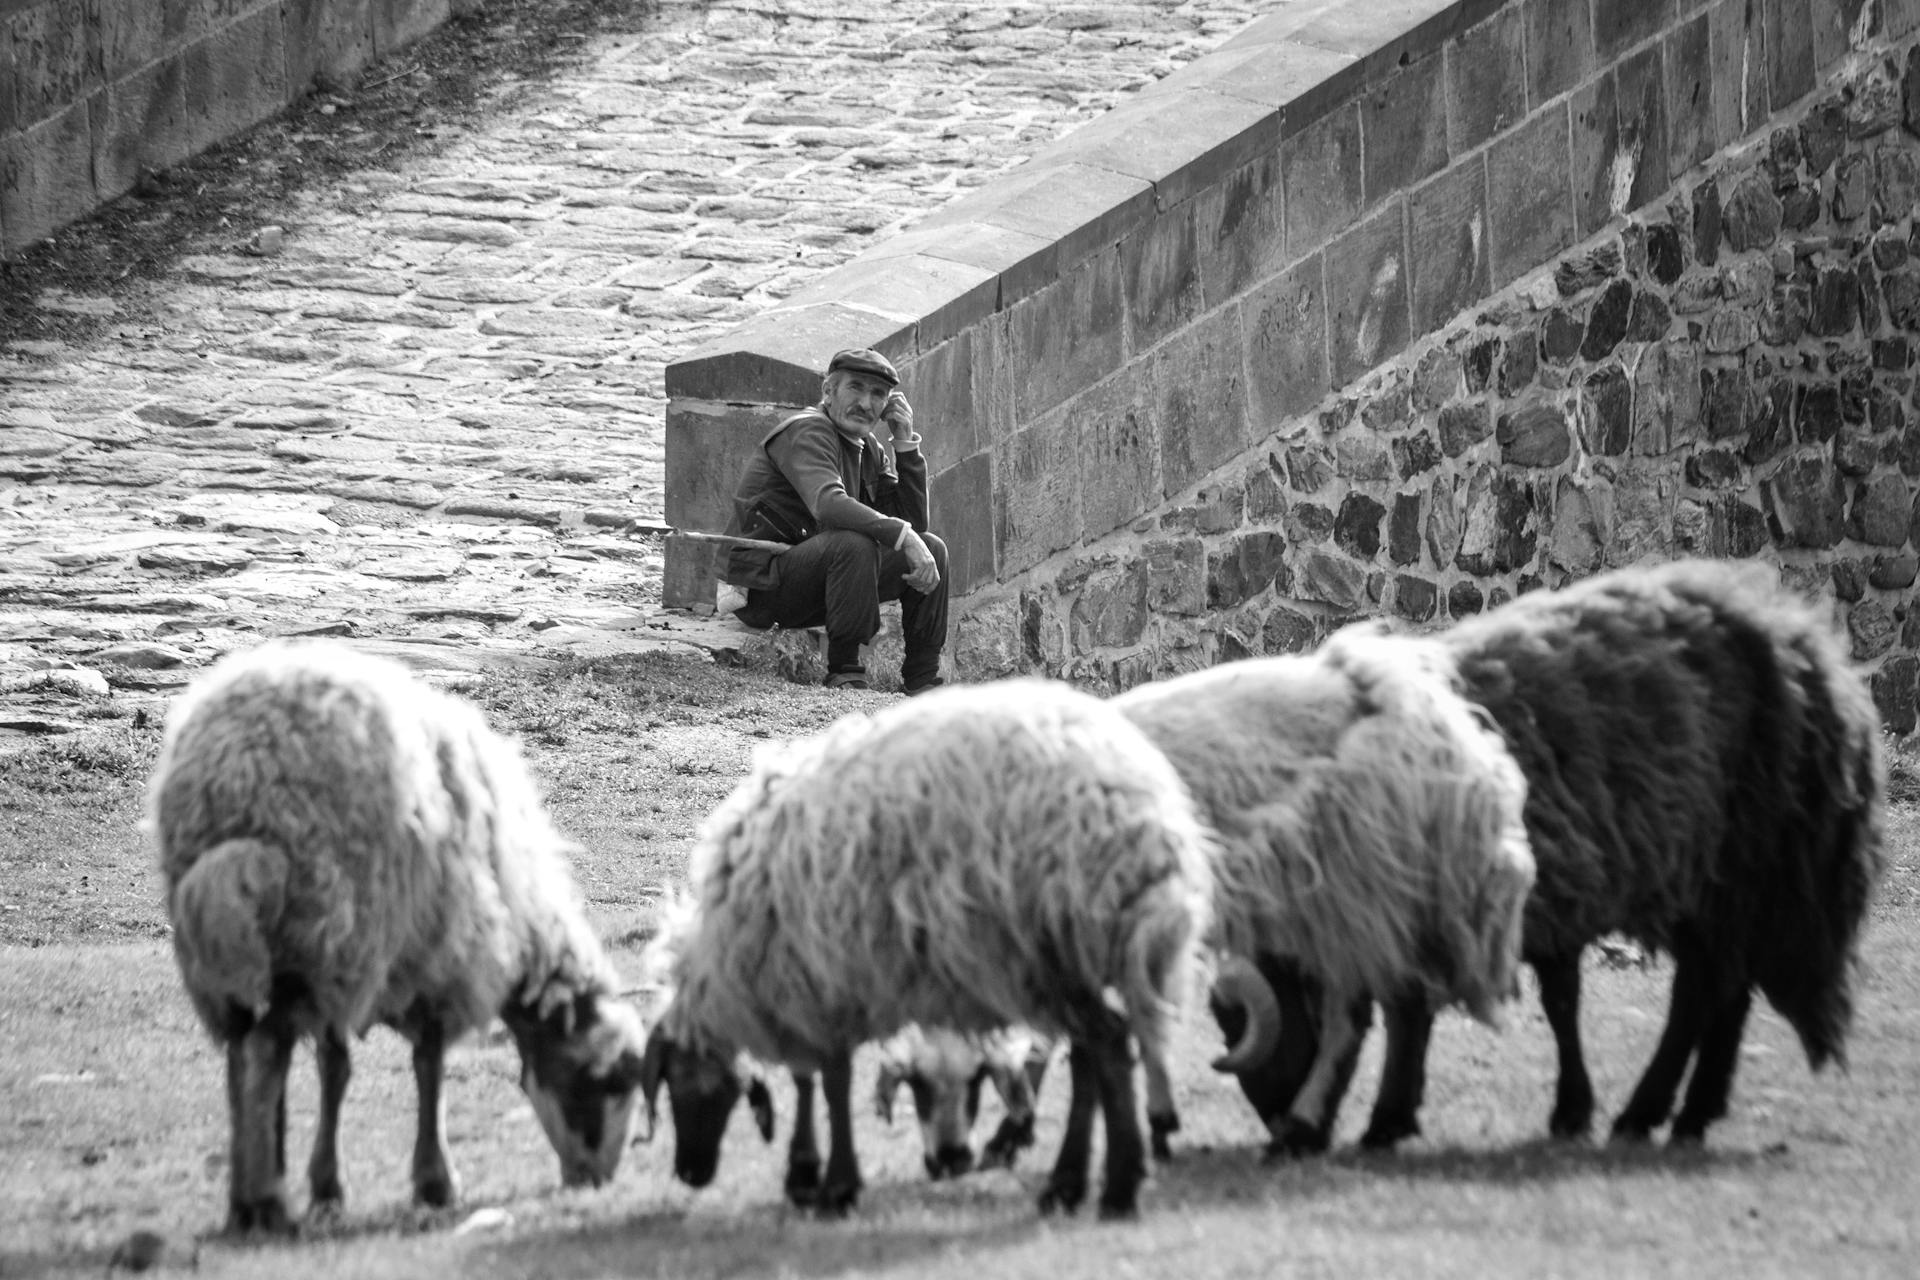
(1704,776)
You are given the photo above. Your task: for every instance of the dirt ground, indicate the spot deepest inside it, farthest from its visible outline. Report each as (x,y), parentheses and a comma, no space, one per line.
(394,111)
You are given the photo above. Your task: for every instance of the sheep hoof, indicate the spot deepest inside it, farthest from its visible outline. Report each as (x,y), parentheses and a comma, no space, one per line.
(803,1181)
(1062,1196)
(834,1202)
(1115,1209)
(1296,1138)
(1570,1126)
(1384,1135)
(267,1216)
(436,1190)
(1160,1127)
(1006,1144)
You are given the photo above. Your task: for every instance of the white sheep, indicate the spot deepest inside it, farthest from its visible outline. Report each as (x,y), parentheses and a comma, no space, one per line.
(344,845)
(972,858)
(1369,825)
(943,1071)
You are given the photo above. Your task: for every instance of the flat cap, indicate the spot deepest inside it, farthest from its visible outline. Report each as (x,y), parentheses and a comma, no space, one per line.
(864,360)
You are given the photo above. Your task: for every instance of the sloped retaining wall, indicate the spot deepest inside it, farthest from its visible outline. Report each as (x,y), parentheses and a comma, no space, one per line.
(94,91)
(1402,309)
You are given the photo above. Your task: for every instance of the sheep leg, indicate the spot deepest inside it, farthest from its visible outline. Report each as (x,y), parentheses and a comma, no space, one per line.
(1067,1186)
(842,1186)
(1560,999)
(1712,1081)
(323,1168)
(258,1059)
(803,1150)
(434,1183)
(1163,1118)
(1687,1017)
(1403,1081)
(1126,1152)
(1307,1127)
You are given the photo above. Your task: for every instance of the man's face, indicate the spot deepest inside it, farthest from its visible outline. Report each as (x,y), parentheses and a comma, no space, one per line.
(854,401)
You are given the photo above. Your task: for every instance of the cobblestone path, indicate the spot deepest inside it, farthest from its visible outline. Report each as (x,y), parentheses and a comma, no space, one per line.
(432,413)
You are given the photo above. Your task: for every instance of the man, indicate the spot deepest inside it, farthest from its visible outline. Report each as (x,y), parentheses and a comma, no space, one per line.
(855,521)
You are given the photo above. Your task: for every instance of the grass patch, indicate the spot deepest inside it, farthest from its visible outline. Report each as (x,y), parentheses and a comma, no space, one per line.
(115,1120)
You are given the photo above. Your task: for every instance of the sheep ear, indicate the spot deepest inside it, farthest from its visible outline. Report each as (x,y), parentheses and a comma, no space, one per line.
(653,1069)
(557,999)
(892,1072)
(760,1102)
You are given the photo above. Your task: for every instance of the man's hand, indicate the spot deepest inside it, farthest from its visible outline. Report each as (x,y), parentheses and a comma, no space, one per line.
(898,415)
(923,573)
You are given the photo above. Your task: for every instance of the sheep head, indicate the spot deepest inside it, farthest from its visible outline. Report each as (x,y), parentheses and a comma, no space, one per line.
(581,1061)
(944,1071)
(702,1087)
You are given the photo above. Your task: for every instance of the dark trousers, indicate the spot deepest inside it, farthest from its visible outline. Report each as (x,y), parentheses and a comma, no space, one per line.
(837,580)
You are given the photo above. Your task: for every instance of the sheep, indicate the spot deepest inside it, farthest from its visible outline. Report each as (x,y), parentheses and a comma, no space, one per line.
(1705,777)
(343,845)
(972,858)
(1369,824)
(943,1070)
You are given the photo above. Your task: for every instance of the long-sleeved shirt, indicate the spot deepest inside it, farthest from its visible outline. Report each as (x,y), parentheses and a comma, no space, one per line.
(808,477)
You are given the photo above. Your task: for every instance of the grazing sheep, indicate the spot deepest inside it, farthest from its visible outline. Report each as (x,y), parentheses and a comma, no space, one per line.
(944,1070)
(343,845)
(972,858)
(1369,824)
(1705,777)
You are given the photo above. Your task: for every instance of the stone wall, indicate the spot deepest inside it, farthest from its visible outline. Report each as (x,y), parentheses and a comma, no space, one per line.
(1402,313)
(94,91)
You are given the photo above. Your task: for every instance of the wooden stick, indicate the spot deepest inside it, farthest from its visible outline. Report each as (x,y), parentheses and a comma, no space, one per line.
(730,540)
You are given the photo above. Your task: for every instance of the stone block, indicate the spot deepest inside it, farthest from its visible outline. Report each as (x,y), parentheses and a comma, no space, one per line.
(1036,497)
(1806,498)
(1893,688)
(46,176)
(1602,174)
(1896,186)
(1752,215)
(1736,46)
(1111,608)
(1200,400)
(1403,129)
(1368,316)
(690,574)
(1529,196)
(1484,96)
(1833,22)
(57,59)
(189,21)
(132,35)
(947,387)
(1607,321)
(1879,511)
(1120,449)
(1788,41)
(141,124)
(1067,337)
(960,501)
(1464,425)
(1245,567)
(706,447)
(1447,226)
(1285,329)
(1618,27)
(1181,141)
(1320,168)
(1162,270)
(1534,436)
(1560,48)
(398,23)
(1646,139)
(1415,599)
(1241,231)
(1356,526)
(235,77)
(778,356)
(1330,579)
(1176,576)
(1690,96)
(939,297)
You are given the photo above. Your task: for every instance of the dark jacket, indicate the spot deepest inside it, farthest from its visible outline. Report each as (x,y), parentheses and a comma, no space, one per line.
(806,478)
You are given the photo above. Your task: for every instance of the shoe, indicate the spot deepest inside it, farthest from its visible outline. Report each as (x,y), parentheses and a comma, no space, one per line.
(846,680)
(914,690)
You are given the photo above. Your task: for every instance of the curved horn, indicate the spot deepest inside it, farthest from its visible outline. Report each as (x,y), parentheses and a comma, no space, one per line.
(1239,983)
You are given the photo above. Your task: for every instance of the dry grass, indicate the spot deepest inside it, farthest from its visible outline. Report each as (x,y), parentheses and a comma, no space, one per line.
(114,1121)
